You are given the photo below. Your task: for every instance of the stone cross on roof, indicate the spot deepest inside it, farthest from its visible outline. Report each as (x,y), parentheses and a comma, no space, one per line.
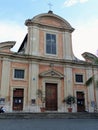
(50,6)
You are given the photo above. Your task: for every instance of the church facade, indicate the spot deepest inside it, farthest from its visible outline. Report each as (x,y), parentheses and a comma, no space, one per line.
(45,61)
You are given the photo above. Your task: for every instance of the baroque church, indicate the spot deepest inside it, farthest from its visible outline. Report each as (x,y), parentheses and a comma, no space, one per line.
(45,62)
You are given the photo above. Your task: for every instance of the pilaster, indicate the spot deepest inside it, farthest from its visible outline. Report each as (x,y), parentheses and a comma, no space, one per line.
(96,87)
(68,82)
(33,84)
(67,46)
(33,41)
(90,91)
(5,78)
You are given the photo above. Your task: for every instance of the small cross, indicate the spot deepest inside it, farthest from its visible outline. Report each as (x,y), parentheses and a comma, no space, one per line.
(50,5)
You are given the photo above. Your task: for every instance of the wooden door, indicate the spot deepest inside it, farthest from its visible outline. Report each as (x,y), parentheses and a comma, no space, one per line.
(80,102)
(51,97)
(18,99)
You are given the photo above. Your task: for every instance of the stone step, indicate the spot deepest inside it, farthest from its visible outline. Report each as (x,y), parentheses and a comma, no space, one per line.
(21,115)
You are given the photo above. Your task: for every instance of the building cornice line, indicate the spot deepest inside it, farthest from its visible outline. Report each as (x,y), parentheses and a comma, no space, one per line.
(49,26)
(29,58)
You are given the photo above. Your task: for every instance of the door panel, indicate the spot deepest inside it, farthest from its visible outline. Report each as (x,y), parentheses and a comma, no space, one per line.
(17,104)
(18,99)
(80,102)
(51,97)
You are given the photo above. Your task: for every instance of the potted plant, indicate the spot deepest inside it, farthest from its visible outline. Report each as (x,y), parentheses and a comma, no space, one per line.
(42,99)
(70,100)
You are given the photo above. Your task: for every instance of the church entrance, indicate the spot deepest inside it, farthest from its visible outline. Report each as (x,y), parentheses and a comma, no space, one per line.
(51,97)
(80,102)
(18,95)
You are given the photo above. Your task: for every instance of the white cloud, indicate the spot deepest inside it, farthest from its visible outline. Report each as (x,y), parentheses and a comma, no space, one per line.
(83,1)
(69,3)
(85,39)
(10,31)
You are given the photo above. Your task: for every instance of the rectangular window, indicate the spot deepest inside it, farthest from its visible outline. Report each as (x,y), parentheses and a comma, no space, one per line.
(79,78)
(50,43)
(18,73)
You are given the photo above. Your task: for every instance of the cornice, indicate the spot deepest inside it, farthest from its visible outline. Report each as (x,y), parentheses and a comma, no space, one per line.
(40,59)
(7,45)
(40,25)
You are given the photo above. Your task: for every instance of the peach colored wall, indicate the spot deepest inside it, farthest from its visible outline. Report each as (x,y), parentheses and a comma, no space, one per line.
(78,71)
(16,82)
(80,87)
(59,44)
(60,69)
(43,68)
(50,21)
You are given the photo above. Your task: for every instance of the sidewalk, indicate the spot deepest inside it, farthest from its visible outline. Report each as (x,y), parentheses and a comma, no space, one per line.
(48,115)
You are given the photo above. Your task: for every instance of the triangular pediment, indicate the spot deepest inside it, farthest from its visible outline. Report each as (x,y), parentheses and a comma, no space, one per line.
(51,73)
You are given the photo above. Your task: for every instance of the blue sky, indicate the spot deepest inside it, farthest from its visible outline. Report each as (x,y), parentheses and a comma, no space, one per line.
(81,14)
